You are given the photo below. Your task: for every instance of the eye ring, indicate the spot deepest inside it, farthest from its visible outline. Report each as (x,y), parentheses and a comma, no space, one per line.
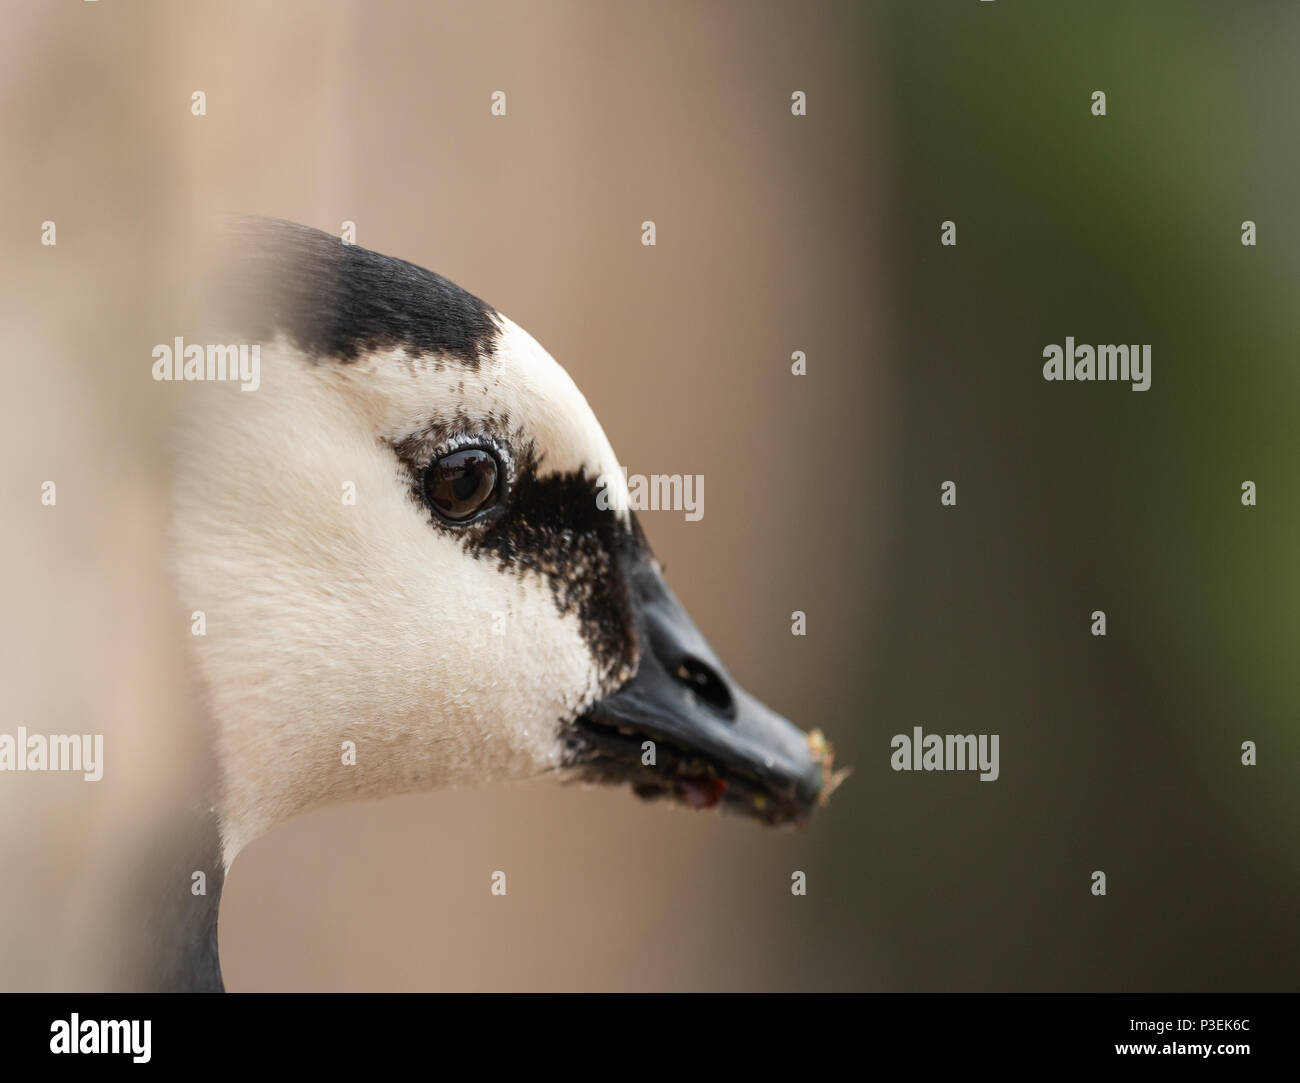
(464,485)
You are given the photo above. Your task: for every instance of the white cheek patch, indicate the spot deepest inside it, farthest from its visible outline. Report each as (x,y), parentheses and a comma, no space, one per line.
(555,412)
(521,387)
(336,614)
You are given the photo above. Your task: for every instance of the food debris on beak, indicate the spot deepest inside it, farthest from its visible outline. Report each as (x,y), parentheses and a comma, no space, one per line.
(824,756)
(701,793)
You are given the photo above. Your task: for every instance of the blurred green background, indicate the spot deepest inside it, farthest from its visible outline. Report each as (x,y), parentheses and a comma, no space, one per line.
(1120,754)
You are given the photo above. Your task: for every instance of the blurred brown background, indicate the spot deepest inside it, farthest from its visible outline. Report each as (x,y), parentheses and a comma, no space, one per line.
(775,234)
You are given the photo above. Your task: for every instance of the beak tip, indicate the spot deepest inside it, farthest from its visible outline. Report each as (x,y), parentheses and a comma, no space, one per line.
(828,780)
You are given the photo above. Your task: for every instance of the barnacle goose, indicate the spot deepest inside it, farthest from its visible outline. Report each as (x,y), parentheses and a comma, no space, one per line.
(396,541)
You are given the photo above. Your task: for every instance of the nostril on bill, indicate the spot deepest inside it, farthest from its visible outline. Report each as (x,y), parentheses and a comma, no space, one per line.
(704,681)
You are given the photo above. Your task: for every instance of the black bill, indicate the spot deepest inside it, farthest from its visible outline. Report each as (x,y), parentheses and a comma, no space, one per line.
(713,743)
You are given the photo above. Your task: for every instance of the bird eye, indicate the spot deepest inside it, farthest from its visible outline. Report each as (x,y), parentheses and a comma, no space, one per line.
(461,485)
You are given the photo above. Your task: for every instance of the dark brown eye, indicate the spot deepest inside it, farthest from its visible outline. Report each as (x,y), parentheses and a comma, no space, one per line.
(462,484)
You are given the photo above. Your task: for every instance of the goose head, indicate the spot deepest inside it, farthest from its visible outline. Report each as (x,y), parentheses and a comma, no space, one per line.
(415,566)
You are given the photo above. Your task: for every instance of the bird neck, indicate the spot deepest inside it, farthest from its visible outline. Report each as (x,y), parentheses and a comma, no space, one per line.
(176,946)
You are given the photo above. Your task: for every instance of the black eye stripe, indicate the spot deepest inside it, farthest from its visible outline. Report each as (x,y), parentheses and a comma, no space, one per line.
(550,526)
(554,527)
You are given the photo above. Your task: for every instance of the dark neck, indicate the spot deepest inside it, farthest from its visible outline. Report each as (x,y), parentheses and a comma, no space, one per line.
(176,945)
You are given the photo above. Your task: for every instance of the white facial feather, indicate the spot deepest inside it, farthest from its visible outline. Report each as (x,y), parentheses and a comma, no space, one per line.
(330,623)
